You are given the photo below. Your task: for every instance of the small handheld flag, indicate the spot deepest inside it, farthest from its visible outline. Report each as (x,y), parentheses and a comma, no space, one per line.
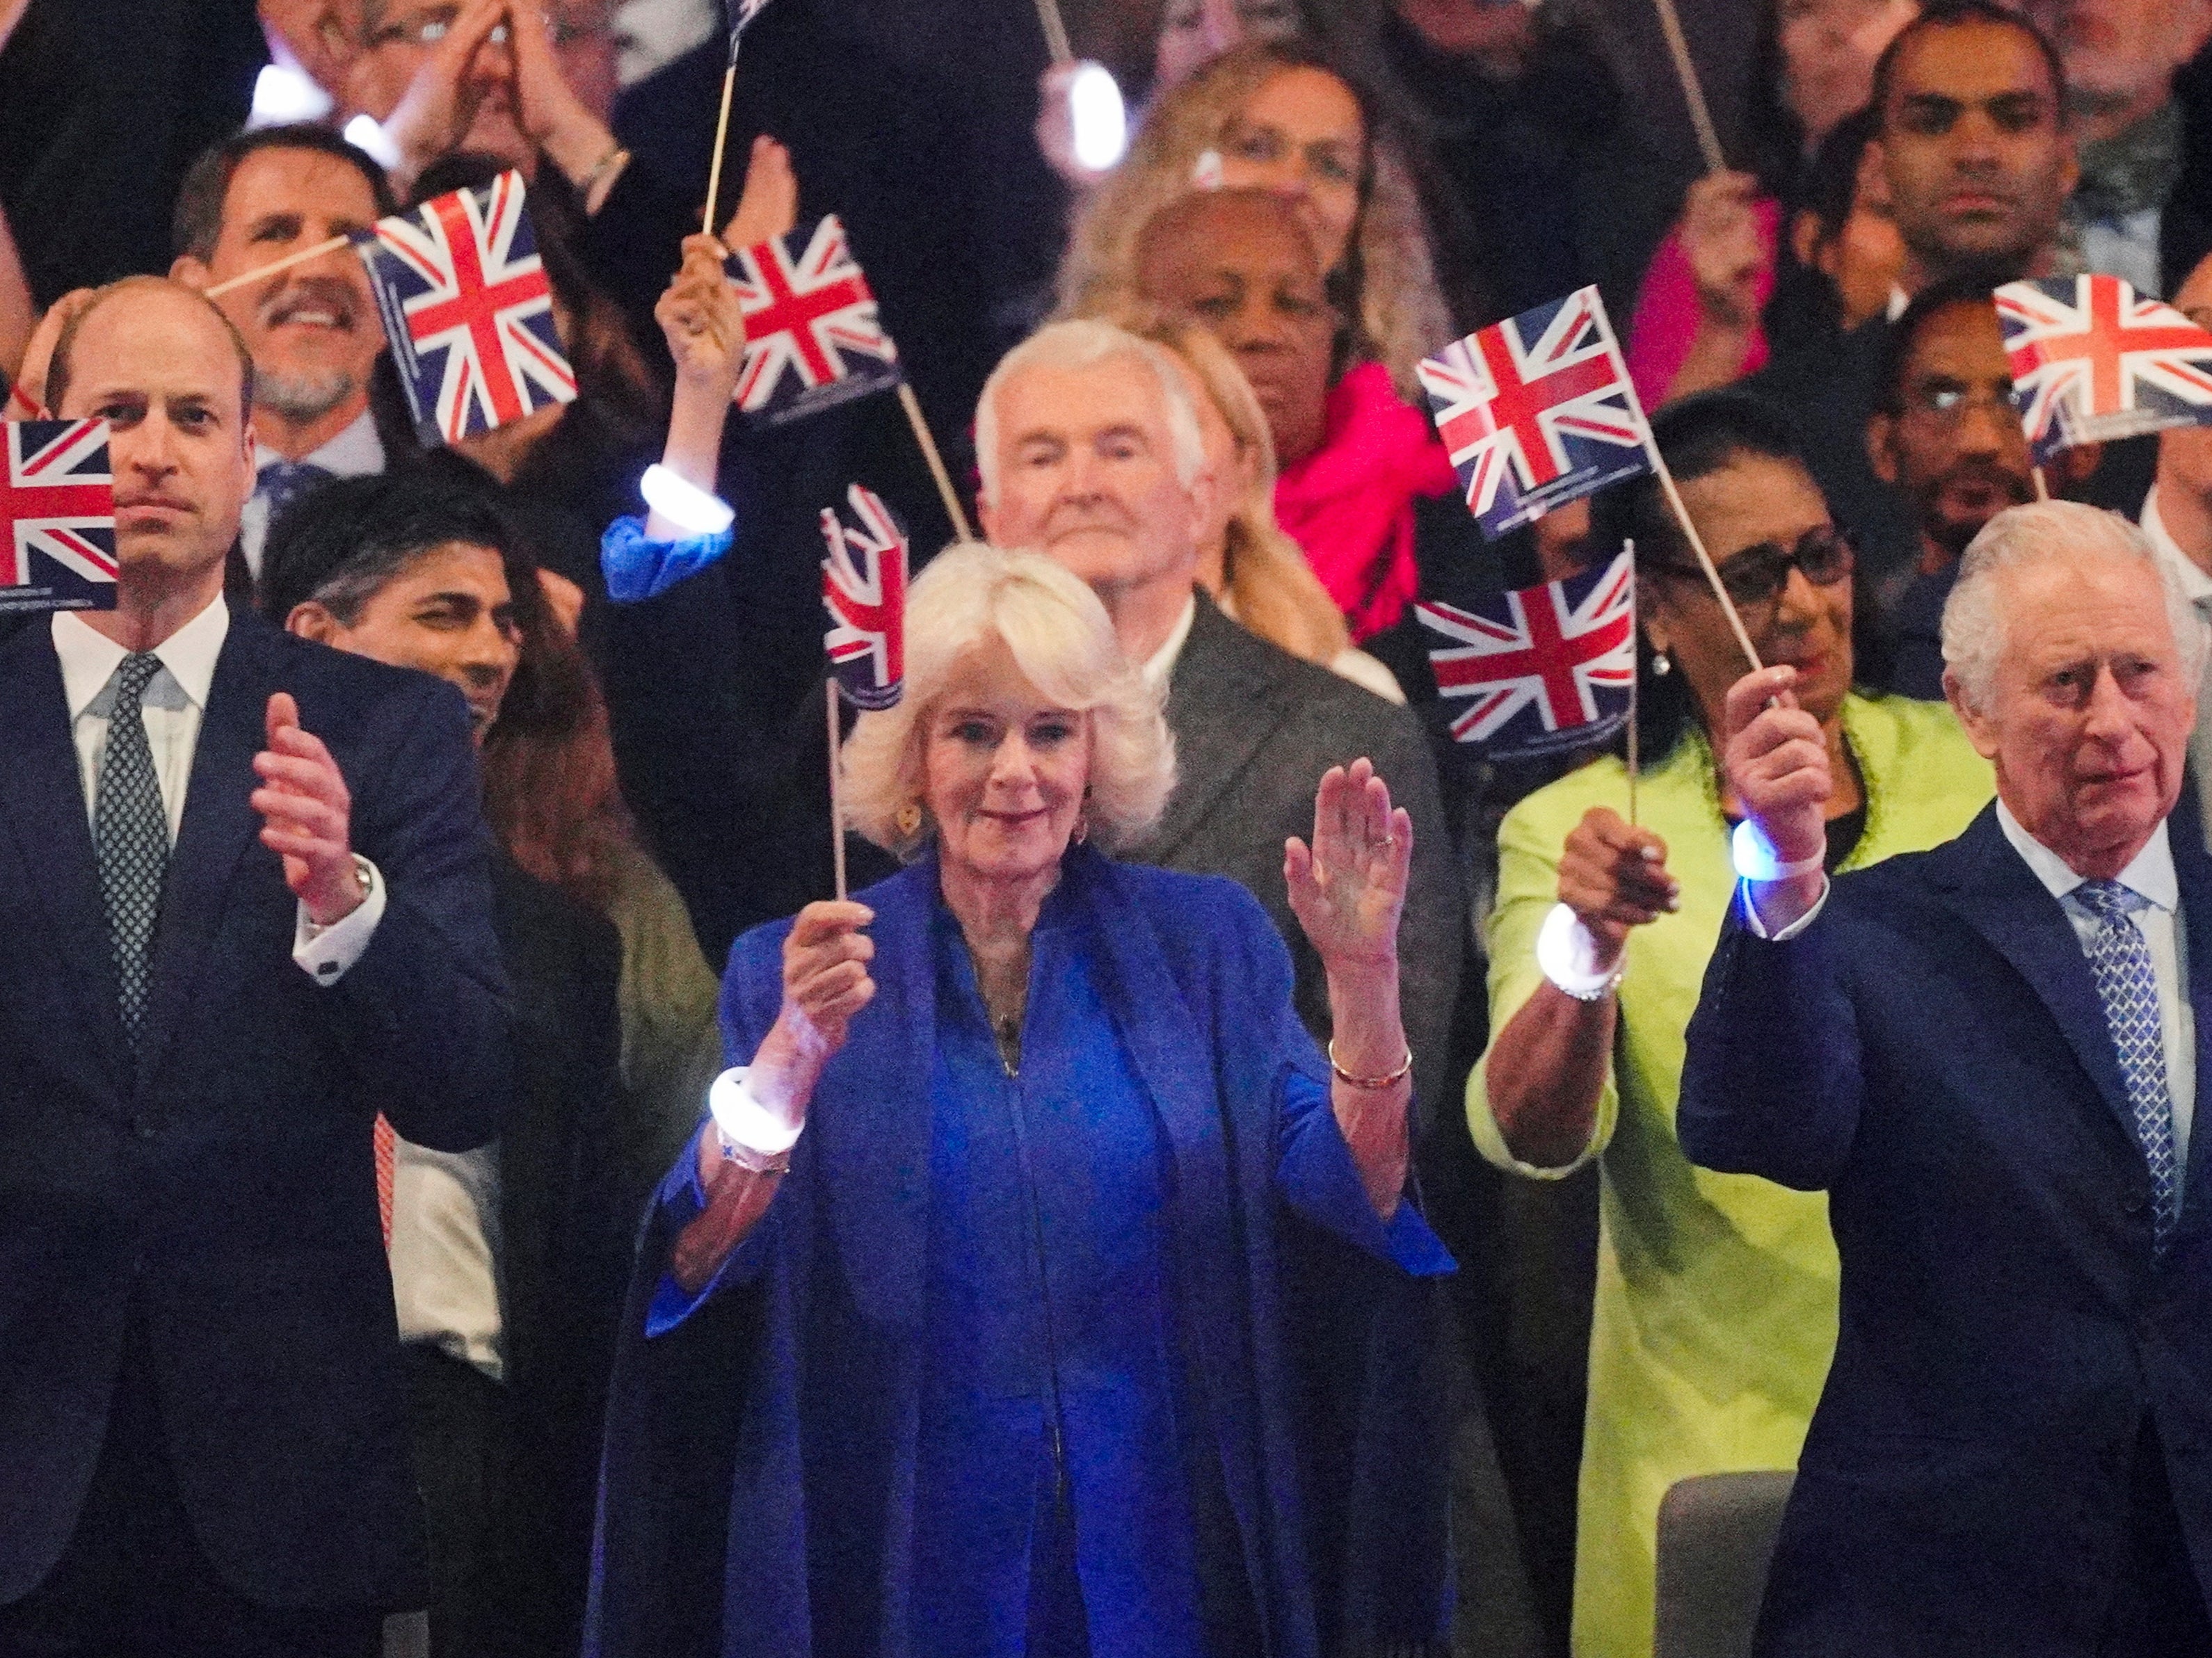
(864,589)
(812,338)
(1538,410)
(1546,669)
(468,311)
(57,518)
(2094,362)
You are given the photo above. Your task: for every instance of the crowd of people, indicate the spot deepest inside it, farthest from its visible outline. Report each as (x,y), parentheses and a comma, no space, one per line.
(525,1138)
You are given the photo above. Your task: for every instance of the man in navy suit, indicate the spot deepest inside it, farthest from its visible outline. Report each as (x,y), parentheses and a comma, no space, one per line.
(244,894)
(1989,1055)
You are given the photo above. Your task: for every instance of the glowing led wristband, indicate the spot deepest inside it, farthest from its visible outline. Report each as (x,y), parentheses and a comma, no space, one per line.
(752,1136)
(1568,956)
(1755,858)
(684,503)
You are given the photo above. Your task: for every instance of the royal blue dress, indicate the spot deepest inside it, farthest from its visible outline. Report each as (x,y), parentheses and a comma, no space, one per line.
(1001,1388)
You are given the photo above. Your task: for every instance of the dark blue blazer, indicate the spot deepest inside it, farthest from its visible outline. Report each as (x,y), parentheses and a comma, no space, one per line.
(220,1190)
(761,1452)
(1932,1054)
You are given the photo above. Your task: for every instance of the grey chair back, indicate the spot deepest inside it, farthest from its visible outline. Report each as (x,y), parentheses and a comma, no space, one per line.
(1716,1535)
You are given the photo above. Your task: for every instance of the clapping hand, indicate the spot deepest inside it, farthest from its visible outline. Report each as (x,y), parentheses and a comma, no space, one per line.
(437,109)
(703,323)
(307,816)
(1348,888)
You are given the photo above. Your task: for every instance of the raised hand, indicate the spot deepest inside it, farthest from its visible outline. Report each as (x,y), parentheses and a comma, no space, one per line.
(547,107)
(702,321)
(1347,889)
(307,816)
(431,114)
(1720,239)
(38,355)
(1777,763)
(768,210)
(1614,879)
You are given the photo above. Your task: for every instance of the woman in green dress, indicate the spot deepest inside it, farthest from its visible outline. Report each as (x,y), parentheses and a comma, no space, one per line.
(1715,1307)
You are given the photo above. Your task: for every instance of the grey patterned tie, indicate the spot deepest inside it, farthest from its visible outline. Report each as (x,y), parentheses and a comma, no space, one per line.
(131,833)
(2119,959)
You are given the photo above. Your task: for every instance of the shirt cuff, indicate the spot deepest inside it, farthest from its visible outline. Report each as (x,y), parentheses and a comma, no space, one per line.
(324,953)
(1759,927)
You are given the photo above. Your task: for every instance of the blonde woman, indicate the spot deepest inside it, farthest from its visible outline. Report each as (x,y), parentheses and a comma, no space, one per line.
(1273,115)
(994,1262)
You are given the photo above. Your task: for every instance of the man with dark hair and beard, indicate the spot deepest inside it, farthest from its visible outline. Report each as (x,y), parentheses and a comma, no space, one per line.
(313,328)
(1945,437)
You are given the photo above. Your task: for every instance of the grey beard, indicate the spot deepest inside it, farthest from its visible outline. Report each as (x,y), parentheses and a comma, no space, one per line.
(303,397)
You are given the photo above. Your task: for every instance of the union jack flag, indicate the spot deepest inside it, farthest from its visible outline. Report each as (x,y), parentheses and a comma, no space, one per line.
(57,518)
(1547,668)
(864,589)
(812,338)
(2092,361)
(1538,410)
(468,311)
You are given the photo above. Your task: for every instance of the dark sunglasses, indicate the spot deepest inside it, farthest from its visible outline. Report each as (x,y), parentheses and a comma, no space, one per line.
(1756,575)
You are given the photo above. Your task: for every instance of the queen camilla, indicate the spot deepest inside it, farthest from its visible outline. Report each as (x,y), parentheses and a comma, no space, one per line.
(1035,1285)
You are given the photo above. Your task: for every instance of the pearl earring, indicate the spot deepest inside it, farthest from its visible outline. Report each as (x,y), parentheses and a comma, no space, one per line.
(1660,666)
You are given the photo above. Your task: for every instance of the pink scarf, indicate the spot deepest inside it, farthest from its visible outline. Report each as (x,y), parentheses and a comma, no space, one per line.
(1350,504)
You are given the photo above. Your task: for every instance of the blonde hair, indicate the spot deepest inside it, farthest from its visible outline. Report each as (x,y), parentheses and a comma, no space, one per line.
(969,597)
(1267,583)
(1397,317)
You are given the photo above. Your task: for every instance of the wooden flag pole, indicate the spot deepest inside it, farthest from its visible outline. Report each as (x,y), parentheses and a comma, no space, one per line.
(1635,676)
(721,139)
(285,264)
(1055,32)
(836,792)
(1685,69)
(909,402)
(1705,560)
(2042,484)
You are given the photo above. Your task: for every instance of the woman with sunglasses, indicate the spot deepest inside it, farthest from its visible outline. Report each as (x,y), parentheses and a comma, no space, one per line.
(1716,1294)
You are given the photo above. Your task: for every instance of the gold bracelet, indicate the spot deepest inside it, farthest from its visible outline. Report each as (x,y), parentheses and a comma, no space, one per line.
(592,178)
(1369,1084)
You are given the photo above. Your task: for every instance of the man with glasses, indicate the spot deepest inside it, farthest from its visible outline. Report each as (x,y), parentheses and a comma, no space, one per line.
(1945,437)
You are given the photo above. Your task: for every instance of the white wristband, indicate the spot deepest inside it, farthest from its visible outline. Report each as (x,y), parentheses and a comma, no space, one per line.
(750,1133)
(1568,956)
(1755,858)
(695,510)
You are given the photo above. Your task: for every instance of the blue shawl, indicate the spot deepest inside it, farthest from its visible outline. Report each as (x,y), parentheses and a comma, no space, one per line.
(757,1482)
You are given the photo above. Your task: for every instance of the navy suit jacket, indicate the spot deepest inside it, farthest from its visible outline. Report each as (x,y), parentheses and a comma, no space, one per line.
(1931,1052)
(218,1190)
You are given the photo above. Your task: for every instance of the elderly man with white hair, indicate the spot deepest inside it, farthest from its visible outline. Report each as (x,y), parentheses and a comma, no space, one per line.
(1987,1055)
(1091,452)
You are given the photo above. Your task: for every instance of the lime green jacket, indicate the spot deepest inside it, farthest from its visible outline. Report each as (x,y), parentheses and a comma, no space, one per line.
(1715,1313)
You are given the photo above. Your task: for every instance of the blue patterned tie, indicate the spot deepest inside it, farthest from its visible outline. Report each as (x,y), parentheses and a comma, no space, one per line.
(281,482)
(2119,956)
(132,832)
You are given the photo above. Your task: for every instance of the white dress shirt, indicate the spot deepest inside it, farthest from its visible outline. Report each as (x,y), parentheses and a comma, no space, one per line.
(1159,668)
(2150,875)
(445,1247)
(174,702)
(357,451)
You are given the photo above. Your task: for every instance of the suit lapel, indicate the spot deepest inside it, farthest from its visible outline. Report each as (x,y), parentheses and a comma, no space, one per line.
(1222,706)
(42,793)
(1999,896)
(2193,869)
(219,824)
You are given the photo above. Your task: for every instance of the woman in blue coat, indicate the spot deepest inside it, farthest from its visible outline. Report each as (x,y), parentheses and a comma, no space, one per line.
(1035,1287)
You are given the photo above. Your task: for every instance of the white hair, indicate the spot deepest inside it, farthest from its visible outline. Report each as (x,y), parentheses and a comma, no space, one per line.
(2066,531)
(970,596)
(1084,343)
